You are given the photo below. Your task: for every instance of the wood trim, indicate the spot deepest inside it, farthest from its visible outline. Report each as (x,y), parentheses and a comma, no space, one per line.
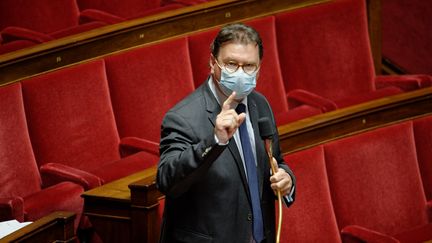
(131,34)
(125,210)
(144,210)
(56,227)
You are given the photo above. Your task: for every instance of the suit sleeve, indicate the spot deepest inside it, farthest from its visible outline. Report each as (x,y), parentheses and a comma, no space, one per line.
(185,157)
(290,198)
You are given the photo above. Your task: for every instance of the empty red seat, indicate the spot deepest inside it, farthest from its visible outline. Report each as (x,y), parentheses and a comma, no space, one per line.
(311,218)
(145,83)
(376,186)
(406,34)
(423,135)
(41,20)
(324,50)
(72,127)
(121,8)
(23,196)
(114,11)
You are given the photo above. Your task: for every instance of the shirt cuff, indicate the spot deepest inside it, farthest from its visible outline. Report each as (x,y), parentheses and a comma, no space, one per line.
(219,143)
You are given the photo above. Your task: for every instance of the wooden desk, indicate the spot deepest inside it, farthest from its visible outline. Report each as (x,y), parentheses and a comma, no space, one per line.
(56,227)
(125,210)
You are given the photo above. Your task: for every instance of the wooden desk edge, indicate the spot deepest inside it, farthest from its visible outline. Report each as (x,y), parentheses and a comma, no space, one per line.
(58,217)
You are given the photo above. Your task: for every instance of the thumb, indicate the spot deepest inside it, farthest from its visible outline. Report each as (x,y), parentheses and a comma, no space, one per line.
(241,118)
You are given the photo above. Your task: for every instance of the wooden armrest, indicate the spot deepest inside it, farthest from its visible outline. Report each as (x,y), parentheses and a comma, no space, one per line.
(55,227)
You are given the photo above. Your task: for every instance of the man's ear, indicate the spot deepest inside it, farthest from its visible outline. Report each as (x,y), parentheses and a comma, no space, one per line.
(211,63)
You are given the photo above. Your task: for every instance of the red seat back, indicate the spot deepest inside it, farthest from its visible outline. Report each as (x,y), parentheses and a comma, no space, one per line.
(70,117)
(375,180)
(423,135)
(145,83)
(406,34)
(20,175)
(325,49)
(311,218)
(44,16)
(123,8)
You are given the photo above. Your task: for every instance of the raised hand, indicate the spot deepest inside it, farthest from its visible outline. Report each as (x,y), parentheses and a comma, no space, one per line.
(227,121)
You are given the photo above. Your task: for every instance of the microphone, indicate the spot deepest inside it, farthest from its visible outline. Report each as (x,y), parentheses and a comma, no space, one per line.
(266,132)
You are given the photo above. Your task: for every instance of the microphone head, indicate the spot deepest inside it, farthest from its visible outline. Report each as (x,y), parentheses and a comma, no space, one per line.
(265,128)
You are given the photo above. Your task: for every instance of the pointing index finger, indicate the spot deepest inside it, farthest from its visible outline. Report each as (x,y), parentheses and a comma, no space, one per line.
(228,101)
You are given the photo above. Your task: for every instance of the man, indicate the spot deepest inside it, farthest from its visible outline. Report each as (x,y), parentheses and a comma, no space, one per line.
(213,166)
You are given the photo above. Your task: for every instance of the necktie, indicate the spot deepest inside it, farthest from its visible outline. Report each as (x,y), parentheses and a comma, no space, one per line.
(258,229)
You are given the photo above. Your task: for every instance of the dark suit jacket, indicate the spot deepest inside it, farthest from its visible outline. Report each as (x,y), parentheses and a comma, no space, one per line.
(207,195)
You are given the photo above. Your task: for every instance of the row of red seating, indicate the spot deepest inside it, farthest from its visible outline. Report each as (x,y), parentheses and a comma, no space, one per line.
(364,188)
(324,57)
(99,121)
(26,23)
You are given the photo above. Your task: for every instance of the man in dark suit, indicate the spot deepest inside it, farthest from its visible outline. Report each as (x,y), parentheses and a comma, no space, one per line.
(213,166)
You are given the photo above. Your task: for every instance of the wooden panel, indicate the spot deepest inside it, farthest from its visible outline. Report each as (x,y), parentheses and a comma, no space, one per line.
(56,227)
(125,210)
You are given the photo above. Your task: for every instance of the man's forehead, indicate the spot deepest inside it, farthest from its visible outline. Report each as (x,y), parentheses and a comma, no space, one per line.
(234,49)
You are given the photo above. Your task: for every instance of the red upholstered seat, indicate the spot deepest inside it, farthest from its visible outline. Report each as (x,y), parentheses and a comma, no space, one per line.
(122,8)
(72,127)
(376,186)
(114,11)
(22,195)
(145,83)
(423,138)
(41,20)
(407,35)
(270,80)
(311,218)
(324,50)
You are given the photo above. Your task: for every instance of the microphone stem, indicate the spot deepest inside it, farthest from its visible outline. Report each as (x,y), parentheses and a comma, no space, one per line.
(269,150)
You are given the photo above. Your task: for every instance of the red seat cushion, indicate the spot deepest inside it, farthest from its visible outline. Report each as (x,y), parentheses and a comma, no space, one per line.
(65,196)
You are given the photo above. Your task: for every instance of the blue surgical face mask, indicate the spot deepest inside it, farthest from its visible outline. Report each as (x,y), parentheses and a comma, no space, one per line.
(240,82)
